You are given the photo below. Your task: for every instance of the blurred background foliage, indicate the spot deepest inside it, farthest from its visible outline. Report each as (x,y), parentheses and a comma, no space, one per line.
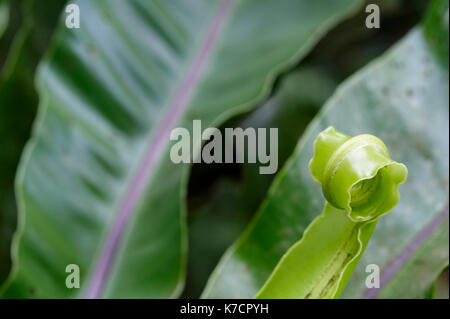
(22,46)
(228,195)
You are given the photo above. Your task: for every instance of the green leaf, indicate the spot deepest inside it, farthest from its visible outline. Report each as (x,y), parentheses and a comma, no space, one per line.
(96,186)
(441,285)
(397,97)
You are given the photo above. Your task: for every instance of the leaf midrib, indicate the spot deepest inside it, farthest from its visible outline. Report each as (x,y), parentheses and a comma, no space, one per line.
(155,148)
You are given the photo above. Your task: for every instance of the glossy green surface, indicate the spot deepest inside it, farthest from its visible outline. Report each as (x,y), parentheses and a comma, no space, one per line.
(225,207)
(441,289)
(98,165)
(403,99)
(360,182)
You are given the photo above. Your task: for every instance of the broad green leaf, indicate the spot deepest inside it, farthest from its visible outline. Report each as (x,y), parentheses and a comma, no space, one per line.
(96,186)
(441,285)
(402,98)
(4,16)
